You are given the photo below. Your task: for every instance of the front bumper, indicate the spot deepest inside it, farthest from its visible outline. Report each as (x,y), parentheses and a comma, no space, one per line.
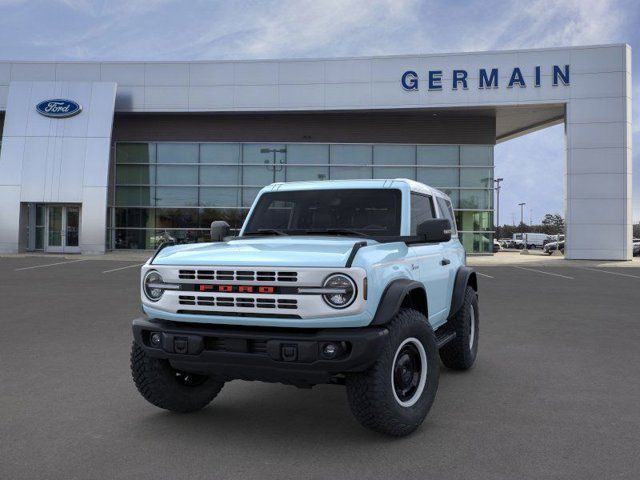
(291,356)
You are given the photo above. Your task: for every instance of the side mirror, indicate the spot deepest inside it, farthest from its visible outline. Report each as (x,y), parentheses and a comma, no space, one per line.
(435,230)
(219,230)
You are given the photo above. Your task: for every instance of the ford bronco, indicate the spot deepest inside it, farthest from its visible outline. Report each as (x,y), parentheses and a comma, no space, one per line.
(359,283)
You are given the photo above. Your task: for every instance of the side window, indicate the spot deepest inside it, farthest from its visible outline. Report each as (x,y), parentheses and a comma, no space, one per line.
(447,211)
(421,210)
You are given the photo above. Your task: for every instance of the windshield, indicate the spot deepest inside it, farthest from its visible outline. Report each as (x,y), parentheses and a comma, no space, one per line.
(364,212)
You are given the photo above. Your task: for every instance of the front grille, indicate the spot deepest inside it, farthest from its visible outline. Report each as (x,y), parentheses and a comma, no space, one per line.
(239,302)
(238,275)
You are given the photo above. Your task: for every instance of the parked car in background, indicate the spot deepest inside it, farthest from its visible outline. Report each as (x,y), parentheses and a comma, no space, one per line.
(496,246)
(636,247)
(552,246)
(554,238)
(505,242)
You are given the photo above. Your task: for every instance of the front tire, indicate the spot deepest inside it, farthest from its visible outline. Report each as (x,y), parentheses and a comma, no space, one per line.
(394,396)
(460,353)
(168,388)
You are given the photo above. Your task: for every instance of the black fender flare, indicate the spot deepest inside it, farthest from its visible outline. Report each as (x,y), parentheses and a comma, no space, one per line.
(393,297)
(464,276)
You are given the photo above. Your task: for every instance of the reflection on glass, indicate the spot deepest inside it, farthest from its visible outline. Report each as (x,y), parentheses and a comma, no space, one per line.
(134,217)
(474,221)
(228,176)
(135,152)
(178,152)
(476,199)
(477,242)
(73,226)
(220,153)
(177,196)
(55,227)
(476,155)
(135,196)
(219,197)
(438,154)
(439,177)
(177,175)
(476,177)
(135,175)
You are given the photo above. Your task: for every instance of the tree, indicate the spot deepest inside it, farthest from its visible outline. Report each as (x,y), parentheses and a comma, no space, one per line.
(553,222)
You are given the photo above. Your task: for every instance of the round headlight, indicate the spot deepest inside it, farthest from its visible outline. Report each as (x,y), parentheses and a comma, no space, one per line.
(345,291)
(151,292)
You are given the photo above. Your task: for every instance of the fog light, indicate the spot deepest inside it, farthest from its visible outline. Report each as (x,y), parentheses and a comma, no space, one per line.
(156,339)
(330,350)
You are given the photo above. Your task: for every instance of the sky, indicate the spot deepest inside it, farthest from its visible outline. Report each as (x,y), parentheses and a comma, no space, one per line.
(532,166)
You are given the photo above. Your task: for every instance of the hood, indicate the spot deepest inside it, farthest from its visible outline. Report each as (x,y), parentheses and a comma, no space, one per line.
(290,251)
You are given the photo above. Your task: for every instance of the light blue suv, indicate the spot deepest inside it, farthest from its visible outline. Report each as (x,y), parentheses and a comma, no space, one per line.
(358,283)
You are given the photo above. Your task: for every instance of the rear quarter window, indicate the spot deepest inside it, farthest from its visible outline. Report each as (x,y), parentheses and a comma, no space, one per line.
(447,211)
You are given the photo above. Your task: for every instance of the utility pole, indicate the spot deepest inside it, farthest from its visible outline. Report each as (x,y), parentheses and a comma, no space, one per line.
(497,182)
(522,212)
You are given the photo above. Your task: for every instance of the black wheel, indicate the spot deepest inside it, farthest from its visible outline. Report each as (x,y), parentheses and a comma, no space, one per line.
(461,352)
(394,396)
(168,388)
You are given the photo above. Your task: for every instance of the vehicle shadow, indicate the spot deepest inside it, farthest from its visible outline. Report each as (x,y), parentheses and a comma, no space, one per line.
(267,411)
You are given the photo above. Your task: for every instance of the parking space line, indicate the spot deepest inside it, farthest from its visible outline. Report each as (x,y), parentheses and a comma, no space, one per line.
(123,268)
(544,273)
(51,264)
(610,273)
(484,275)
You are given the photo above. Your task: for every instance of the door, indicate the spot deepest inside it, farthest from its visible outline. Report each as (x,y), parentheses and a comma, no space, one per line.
(62,229)
(427,261)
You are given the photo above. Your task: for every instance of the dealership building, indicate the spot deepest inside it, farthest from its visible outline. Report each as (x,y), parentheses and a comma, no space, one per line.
(98,156)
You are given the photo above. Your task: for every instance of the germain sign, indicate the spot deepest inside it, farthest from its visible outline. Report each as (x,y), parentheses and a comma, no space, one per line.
(487,78)
(58,108)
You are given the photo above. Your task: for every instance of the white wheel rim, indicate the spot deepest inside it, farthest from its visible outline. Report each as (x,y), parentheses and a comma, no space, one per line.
(423,372)
(472,327)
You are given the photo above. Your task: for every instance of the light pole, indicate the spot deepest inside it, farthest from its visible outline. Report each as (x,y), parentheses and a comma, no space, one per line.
(275,166)
(524,238)
(522,212)
(497,182)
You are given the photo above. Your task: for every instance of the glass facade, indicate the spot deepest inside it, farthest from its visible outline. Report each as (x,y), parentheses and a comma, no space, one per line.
(176,190)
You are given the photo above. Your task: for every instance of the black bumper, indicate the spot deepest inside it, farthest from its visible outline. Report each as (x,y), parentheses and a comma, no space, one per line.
(292,356)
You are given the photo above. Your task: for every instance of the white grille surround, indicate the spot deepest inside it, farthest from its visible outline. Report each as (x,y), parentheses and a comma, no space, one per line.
(289,304)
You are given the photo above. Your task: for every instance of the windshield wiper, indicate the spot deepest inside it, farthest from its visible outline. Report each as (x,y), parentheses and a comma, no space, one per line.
(267,231)
(338,231)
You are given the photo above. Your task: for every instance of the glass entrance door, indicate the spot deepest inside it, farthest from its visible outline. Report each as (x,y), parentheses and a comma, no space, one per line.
(62,229)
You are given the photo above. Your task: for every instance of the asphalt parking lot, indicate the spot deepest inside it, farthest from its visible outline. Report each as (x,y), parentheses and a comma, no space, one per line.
(554,393)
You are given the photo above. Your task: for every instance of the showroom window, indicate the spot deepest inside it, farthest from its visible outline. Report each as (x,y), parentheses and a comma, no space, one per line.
(176,189)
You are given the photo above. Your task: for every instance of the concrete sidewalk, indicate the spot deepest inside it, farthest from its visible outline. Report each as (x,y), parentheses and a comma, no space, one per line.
(537,258)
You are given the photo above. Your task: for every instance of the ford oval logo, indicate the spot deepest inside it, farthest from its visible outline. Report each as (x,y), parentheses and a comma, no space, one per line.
(58,108)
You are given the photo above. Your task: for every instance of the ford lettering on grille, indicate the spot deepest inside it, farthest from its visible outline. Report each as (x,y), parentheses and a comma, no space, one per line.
(237,288)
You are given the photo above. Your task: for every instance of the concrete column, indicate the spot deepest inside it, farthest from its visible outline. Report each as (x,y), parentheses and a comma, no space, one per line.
(598,207)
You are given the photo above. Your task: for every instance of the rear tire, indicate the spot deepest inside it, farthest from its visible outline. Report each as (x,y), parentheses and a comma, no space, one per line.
(460,353)
(394,396)
(168,388)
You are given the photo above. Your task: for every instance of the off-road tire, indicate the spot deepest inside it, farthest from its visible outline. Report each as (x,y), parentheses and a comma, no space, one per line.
(458,354)
(371,393)
(165,387)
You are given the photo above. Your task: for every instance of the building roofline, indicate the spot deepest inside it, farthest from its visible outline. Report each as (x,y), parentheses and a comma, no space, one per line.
(316,59)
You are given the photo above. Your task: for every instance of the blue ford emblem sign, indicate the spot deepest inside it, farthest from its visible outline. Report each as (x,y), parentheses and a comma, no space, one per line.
(58,108)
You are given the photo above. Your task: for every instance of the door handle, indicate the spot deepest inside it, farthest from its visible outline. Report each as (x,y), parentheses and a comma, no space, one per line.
(445,261)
